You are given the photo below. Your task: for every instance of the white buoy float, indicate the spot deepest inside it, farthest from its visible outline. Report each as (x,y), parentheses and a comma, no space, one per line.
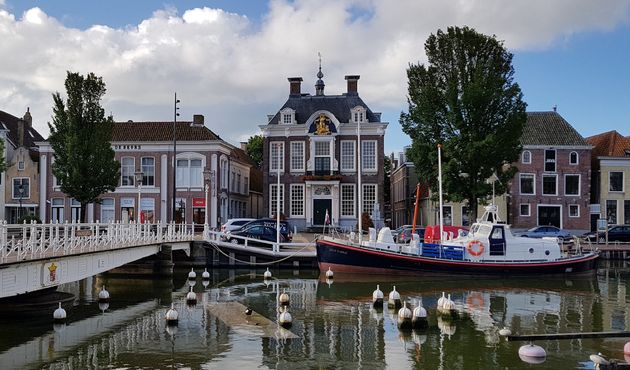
(329,274)
(394,299)
(599,359)
(448,307)
(419,319)
(440,301)
(172,315)
(103,295)
(205,274)
(377,298)
(267,274)
(60,314)
(532,354)
(192,275)
(284,298)
(505,332)
(285,318)
(404,317)
(191,297)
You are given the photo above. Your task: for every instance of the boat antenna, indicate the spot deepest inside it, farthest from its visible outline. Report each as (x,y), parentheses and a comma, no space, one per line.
(441,199)
(360,193)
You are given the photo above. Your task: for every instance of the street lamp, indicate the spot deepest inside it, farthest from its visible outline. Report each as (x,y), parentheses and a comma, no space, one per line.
(207,177)
(175,115)
(139,176)
(21,191)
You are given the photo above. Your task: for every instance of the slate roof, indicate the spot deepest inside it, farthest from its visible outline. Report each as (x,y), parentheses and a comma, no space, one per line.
(10,122)
(240,155)
(549,128)
(339,105)
(161,131)
(610,144)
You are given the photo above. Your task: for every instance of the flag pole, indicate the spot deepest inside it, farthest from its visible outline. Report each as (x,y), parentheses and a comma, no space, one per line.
(441,199)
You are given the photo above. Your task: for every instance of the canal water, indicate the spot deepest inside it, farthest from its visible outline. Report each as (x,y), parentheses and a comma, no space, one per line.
(336,326)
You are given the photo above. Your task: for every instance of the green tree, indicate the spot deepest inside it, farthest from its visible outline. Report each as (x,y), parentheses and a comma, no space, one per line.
(466,99)
(387,167)
(80,136)
(255,149)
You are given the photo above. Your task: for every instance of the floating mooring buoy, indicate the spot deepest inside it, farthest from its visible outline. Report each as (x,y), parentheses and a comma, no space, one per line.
(404,317)
(172,315)
(440,301)
(284,298)
(192,275)
(103,295)
(377,298)
(191,297)
(394,299)
(60,314)
(532,354)
(419,319)
(205,274)
(285,318)
(329,273)
(505,332)
(267,274)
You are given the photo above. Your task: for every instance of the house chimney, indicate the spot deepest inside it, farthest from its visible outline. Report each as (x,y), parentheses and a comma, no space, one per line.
(295,86)
(21,124)
(197,120)
(353,82)
(28,118)
(244,146)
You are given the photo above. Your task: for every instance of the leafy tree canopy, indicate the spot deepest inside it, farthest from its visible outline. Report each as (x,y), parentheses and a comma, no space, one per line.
(80,136)
(255,149)
(464,98)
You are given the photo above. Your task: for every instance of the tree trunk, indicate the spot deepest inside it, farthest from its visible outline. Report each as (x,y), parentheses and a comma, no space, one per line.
(473,204)
(83,213)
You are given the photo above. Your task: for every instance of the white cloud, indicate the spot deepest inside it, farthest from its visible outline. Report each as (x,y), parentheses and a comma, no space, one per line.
(234,72)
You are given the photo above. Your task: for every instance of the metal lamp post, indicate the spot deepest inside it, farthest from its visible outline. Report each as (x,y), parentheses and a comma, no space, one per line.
(175,114)
(207,178)
(139,176)
(21,191)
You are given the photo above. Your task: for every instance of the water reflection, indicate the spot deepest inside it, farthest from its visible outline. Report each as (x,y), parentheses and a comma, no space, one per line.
(335,322)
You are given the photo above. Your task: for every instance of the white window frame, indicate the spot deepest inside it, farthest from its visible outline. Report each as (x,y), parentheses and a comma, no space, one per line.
(276,164)
(343,157)
(358,114)
(26,195)
(297,151)
(224,172)
(451,213)
(579,184)
(364,156)
(108,208)
(131,178)
(555,160)
(616,221)
(144,169)
(578,210)
(273,200)
(329,155)
(297,203)
(577,158)
(21,166)
(57,210)
(520,190)
(543,185)
(287,116)
(623,179)
(366,202)
(185,175)
(345,201)
(463,210)
(529,210)
(526,159)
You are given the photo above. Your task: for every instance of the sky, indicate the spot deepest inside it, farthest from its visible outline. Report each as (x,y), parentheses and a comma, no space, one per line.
(230,60)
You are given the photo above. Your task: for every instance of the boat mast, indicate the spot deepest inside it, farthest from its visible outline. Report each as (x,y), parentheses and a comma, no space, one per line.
(360,192)
(440,188)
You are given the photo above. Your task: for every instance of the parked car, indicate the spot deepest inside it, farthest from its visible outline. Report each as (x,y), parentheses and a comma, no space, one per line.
(403,233)
(546,231)
(235,223)
(618,233)
(260,232)
(285,229)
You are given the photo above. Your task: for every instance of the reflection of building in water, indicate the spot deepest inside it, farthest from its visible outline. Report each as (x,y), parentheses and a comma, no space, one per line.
(614,293)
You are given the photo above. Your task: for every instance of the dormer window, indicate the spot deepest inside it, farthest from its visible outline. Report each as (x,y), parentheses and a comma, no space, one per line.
(287,116)
(358,115)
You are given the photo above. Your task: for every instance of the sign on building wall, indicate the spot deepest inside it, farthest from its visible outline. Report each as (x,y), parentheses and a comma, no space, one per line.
(199,202)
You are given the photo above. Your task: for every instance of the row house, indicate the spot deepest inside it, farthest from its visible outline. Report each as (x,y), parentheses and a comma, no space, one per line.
(611,178)
(19,183)
(310,148)
(212,177)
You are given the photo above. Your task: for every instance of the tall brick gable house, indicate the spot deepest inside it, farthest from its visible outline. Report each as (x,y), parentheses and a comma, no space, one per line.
(311,143)
(552,186)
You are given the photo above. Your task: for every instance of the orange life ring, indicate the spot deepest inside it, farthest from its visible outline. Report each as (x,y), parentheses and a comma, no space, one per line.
(475,300)
(474,251)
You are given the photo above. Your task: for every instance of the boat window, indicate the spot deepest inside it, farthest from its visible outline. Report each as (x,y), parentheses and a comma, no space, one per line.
(484,230)
(497,233)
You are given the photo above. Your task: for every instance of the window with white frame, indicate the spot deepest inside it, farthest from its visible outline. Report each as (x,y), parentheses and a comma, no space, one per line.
(347,155)
(572,184)
(21,188)
(369,198)
(57,210)
(148,171)
(276,156)
(287,115)
(550,160)
(527,157)
(297,156)
(615,181)
(75,210)
(368,155)
(447,215)
(525,210)
(611,211)
(21,166)
(465,216)
(322,157)
(273,199)
(347,200)
(224,173)
(297,200)
(549,185)
(127,169)
(189,173)
(527,183)
(574,158)
(107,210)
(358,114)
(574,210)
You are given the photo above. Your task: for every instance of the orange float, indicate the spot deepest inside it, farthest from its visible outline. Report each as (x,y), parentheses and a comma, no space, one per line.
(475,248)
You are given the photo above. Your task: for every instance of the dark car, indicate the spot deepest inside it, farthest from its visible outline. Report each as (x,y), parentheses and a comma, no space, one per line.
(259,232)
(285,229)
(403,234)
(619,233)
(546,231)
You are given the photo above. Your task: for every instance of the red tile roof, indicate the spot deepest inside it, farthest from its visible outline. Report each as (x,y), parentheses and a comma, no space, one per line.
(609,144)
(160,131)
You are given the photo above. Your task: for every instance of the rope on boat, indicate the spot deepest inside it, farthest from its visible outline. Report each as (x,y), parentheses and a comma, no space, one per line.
(216,247)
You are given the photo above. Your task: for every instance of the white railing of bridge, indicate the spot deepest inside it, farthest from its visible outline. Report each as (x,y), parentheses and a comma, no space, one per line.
(34,241)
